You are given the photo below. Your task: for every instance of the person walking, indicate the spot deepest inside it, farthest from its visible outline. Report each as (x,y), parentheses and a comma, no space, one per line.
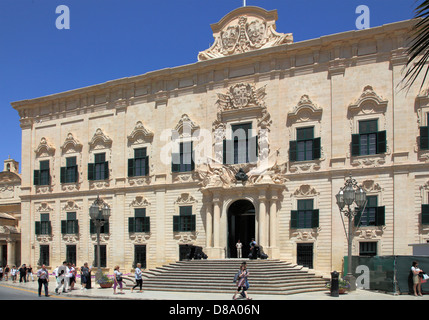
(239,245)
(1,273)
(138,276)
(417,280)
(117,278)
(63,270)
(84,276)
(242,281)
(23,273)
(43,276)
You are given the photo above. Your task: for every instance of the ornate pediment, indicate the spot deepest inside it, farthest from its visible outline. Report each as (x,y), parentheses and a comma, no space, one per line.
(100,140)
(139,134)
(304,111)
(45,149)
(185,127)
(368,102)
(71,145)
(242,30)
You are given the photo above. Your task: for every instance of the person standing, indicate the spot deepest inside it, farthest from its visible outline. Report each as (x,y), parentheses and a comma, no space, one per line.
(138,276)
(417,280)
(117,278)
(30,273)
(22,273)
(13,272)
(242,281)
(43,276)
(63,270)
(239,245)
(84,276)
(6,272)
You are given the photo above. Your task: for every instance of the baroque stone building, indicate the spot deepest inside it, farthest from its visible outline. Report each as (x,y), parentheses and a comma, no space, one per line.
(253,140)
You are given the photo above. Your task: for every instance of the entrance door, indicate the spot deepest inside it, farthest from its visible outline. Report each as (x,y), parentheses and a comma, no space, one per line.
(241,226)
(305,255)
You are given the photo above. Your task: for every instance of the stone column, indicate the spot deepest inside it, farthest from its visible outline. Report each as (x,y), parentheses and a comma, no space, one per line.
(11,253)
(274,252)
(217,251)
(263,237)
(209,224)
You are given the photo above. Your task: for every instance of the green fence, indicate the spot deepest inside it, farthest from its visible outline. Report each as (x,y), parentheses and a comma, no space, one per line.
(389,273)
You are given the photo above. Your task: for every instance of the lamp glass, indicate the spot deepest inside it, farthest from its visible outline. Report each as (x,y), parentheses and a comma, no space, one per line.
(360,197)
(106,211)
(94,211)
(340,199)
(349,194)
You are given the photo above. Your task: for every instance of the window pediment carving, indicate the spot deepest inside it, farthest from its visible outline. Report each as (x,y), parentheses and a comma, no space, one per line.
(305,190)
(45,149)
(304,111)
(139,201)
(100,140)
(71,145)
(44,207)
(140,134)
(185,127)
(185,198)
(369,102)
(71,206)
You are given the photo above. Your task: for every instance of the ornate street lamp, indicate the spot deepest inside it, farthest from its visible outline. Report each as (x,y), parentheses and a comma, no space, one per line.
(350,193)
(99,213)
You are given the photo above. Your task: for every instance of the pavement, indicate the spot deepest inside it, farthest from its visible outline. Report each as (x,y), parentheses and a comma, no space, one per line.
(102,294)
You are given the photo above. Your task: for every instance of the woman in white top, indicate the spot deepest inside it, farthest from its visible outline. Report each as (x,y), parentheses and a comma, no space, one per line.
(417,281)
(117,280)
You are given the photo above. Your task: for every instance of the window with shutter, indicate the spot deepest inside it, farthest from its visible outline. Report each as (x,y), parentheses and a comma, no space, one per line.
(305,216)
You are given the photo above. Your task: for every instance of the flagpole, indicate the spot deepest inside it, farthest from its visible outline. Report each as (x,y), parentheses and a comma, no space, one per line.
(244,3)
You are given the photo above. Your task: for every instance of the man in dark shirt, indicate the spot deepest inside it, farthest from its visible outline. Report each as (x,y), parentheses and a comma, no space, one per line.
(23,273)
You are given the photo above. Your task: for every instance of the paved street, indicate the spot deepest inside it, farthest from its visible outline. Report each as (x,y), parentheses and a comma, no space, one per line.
(25,291)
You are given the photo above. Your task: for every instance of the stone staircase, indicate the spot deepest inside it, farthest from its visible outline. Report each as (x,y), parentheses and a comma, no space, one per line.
(266,277)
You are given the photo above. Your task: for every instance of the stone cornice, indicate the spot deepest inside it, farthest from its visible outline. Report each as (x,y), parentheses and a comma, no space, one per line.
(154,83)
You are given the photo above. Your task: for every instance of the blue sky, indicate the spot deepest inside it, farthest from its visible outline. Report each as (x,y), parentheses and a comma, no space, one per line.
(111,39)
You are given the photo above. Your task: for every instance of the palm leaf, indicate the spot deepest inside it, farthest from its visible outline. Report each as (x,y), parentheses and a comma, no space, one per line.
(419,48)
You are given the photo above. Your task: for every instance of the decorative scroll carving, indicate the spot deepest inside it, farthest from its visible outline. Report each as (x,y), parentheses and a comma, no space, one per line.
(139,201)
(71,145)
(368,102)
(304,111)
(185,198)
(100,140)
(139,134)
(245,29)
(185,127)
(45,149)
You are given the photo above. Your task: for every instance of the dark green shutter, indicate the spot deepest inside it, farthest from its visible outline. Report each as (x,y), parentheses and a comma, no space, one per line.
(36,180)
(425,213)
(424,138)
(146,166)
(381,141)
(294,219)
(91,173)
(316,148)
(106,170)
(292,150)
(175,162)
(63,226)
(131,167)
(146,224)
(379,216)
(91,227)
(38,227)
(193,222)
(192,161)
(131,225)
(106,227)
(315,218)
(253,149)
(355,145)
(357,218)
(63,174)
(228,151)
(176,223)
(49,228)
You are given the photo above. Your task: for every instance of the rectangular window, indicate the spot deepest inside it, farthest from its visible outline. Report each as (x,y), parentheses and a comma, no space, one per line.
(71,254)
(243,147)
(424,135)
(425,213)
(305,147)
(71,225)
(139,165)
(69,173)
(103,256)
(368,249)
(42,176)
(44,255)
(140,255)
(305,216)
(185,221)
(304,252)
(369,140)
(183,161)
(103,229)
(373,215)
(99,170)
(139,223)
(44,225)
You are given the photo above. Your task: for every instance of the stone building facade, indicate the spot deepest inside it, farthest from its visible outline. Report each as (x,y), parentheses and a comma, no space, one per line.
(165,151)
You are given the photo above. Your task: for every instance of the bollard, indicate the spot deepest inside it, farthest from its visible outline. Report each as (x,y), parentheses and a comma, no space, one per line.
(335,284)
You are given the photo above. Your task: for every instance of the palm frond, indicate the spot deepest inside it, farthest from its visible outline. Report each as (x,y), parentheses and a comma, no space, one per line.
(418,52)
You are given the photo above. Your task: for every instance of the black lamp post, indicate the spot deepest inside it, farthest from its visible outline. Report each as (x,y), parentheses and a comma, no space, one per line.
(99,213)
(349,194)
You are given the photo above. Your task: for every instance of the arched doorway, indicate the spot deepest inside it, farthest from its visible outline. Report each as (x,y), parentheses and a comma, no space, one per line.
(241,226)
